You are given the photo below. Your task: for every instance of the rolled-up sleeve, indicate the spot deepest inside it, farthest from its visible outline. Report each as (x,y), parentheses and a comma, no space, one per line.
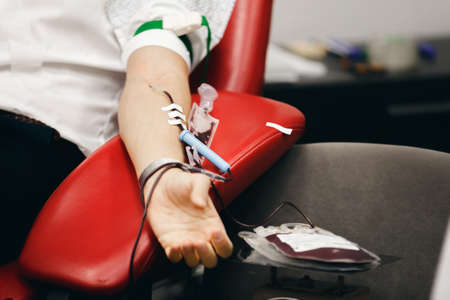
(127,16)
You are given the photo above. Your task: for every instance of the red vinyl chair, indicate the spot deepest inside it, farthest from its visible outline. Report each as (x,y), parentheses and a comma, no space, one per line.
(237,63)
(83,236)
(12,285)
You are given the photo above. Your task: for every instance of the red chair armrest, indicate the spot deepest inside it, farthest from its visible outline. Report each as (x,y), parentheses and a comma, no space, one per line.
(83,236)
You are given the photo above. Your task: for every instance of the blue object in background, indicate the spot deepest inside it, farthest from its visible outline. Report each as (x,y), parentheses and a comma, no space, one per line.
(427,50)
(345,49)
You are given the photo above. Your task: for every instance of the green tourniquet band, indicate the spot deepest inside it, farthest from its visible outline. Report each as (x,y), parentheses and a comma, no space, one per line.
(208,38)
(156,24)
(208,46)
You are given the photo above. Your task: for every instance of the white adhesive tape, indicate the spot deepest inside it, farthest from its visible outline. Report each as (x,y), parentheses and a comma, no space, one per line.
(280,128)
(176,114)
(172,106)
(177,122)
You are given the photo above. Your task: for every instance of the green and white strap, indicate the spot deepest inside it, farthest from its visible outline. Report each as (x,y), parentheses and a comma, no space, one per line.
(180,28)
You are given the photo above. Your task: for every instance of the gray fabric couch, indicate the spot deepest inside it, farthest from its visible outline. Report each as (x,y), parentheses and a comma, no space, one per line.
(392,200)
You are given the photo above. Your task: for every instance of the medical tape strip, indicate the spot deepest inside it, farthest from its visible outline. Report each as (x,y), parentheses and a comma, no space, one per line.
(177,118)
(176,114)
(177,122)
(175,111)
(280,128)
(172,106)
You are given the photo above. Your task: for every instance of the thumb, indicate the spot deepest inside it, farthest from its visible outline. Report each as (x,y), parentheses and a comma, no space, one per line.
(199,195)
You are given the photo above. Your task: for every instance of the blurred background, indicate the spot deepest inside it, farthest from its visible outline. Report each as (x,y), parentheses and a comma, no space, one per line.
(364,71)
(358,20)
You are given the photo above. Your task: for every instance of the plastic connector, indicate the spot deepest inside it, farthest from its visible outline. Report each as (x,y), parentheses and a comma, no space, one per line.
(187,137)
(208,95)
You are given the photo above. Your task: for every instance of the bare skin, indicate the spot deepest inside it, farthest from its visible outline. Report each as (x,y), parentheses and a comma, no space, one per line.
(181,213)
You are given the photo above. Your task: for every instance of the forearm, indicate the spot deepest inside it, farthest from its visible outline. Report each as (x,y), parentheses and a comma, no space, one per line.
(181,214)
(143,125)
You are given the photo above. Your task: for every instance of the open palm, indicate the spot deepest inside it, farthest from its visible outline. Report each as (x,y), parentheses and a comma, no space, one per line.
(185,220)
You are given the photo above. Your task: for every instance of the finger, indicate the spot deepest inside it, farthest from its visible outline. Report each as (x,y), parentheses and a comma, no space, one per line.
(199,195)
(199,200)
(222,244)
(190,256)
(207,255)
(174,254)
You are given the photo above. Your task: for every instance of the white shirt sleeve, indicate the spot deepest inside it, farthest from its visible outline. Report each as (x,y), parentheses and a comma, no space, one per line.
(179,17)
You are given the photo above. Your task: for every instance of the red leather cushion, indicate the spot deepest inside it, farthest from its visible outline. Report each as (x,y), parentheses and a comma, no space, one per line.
(84,234)
(12,285)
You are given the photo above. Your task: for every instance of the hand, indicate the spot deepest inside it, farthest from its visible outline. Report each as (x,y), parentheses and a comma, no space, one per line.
(185,221)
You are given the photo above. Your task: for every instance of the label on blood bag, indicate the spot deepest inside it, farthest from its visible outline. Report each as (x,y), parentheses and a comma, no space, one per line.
(301,242)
